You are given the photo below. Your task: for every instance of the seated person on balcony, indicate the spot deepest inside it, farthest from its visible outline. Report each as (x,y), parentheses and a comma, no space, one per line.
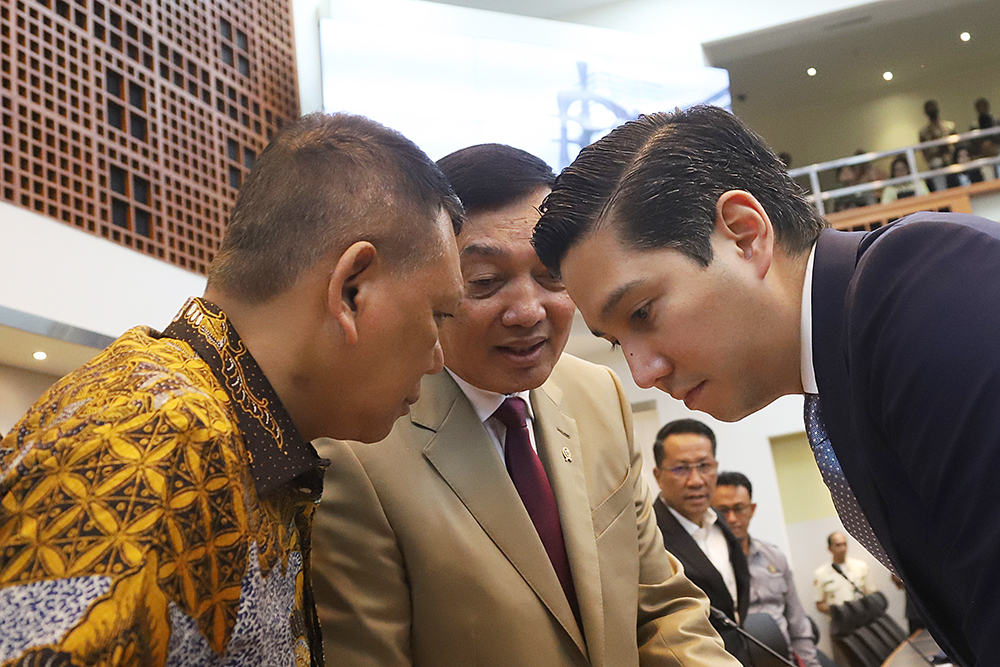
(900,167)
(967,177)
(847,176)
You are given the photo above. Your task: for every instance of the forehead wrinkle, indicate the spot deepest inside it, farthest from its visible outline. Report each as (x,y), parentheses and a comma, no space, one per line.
(486,250)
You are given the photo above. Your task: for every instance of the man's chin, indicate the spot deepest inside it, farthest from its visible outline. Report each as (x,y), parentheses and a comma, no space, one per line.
(523,379)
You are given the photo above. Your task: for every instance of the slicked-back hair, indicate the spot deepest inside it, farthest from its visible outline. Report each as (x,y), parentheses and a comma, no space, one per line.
(680,426)
(323,183)
(658,179)
(733,478)
(488,177)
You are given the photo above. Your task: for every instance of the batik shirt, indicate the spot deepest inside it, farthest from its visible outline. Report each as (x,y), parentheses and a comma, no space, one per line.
(155,509)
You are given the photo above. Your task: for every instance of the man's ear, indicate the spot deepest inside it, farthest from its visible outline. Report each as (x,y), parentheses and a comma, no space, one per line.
(348,280)
(740,218)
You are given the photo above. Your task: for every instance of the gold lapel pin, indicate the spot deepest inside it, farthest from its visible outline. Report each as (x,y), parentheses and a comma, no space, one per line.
(567,455)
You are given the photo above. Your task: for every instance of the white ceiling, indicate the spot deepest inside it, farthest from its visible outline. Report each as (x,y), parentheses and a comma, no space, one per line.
(914,39)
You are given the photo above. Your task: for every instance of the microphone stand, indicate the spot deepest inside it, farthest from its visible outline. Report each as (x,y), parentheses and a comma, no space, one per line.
(721,616)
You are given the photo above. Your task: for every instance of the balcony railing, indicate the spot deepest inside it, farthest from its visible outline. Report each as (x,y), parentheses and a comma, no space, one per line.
(820,198)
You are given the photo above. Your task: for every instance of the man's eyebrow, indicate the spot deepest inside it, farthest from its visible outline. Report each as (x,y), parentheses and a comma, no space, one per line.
(484,250)
(616,297)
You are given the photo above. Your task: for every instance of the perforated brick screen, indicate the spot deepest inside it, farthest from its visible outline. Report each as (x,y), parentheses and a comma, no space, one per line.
(138,120)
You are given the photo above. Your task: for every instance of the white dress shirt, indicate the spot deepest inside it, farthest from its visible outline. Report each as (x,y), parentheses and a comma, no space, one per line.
(807,369)
(712,541)
(485,403)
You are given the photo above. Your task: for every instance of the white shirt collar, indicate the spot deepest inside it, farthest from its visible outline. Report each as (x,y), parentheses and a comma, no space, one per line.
(484,402)
(805,334)
(690,526)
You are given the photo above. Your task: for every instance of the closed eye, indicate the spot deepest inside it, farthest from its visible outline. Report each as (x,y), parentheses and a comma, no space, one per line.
(480,288)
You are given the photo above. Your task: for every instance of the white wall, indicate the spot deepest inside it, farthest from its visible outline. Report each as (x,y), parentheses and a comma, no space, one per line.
(68,276)
(19,389)
(884,122)
(305,19)
(685,25)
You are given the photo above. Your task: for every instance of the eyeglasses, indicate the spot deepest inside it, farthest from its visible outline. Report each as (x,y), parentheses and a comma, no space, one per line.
(738,509)
(705,468)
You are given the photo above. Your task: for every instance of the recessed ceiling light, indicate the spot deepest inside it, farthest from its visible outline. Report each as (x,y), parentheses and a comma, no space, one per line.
(887,76)
(965,37)
(811,71)
(40,356)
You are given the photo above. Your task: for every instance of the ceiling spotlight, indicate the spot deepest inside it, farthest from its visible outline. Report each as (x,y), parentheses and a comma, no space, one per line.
(40,356)
(811,71)
(965,37)
(887,76)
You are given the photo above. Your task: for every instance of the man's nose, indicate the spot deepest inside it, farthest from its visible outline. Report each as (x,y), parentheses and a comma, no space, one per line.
(526,307)
(437,359)
(647,367)
(695,478)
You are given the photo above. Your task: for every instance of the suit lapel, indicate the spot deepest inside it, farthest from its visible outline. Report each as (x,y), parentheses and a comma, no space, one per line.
(837,256)
(696,564)
(741,569)
(462,452)
(561,454)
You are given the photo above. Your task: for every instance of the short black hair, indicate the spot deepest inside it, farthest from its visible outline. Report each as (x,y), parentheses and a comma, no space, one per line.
(733,478)
(326,181)
(680,426)
(488,177)
(658,180)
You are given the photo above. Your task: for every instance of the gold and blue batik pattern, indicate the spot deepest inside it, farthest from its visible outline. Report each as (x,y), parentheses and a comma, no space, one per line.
(131,532)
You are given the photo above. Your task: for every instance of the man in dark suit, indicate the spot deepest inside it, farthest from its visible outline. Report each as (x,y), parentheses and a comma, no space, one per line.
(686,471)
(681,237)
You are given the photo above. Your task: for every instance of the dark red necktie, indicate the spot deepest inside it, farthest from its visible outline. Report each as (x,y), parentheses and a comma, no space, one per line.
(533,486)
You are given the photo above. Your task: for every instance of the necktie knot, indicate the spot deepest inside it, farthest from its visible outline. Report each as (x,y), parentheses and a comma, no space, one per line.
(513,413)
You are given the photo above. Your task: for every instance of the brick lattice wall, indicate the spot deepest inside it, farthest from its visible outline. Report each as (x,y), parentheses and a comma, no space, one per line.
(137,120)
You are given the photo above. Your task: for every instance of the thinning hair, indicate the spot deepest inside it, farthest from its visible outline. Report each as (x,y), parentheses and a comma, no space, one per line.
(323,183)
(658,179)
(680,426)
(733,478)
(489,177)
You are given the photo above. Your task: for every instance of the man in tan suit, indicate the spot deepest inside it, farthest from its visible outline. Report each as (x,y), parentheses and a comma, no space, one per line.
(471,537)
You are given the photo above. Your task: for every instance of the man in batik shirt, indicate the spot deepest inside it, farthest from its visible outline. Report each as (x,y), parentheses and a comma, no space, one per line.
(156,504)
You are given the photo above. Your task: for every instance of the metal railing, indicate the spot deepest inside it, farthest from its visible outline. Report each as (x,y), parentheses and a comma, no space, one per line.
(819,197)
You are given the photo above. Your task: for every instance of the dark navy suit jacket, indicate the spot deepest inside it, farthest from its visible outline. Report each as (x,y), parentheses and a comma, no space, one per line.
(906,345)
(700,570)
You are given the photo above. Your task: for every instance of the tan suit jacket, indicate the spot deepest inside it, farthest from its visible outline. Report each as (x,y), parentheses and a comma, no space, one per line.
(424,554)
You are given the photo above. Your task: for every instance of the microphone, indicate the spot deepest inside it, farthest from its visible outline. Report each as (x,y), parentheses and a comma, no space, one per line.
(721,616)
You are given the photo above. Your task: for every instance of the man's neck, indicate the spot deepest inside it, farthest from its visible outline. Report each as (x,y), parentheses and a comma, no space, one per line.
(790,273)
(264,329)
